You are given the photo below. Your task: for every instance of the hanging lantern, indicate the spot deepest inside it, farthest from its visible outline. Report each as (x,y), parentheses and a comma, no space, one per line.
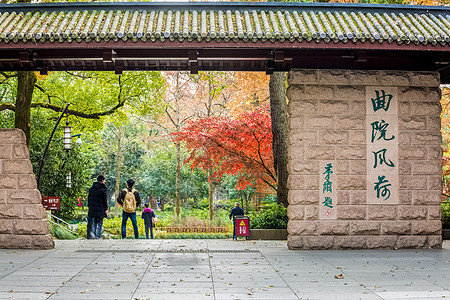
(69,180)
(67,138)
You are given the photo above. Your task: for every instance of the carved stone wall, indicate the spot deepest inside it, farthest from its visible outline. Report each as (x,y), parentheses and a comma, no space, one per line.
(362,175)
(23,223)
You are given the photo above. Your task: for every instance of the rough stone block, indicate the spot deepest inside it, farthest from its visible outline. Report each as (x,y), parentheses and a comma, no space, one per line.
(424,79)
(351,152)
(342,167)
(434,123)
(365,227)
(333,137)
(435,241)
(425,109)
(8,211)
(295,123)
(319,121)
(434,152)
(308,137)
(295,92)
(426,197)
(405,197)
(9,241)
(426,138)
(416,182)
(404,167)
(296,152)
(12,136)
(395,227)
(303,76)
(31,227)
(358,167)
(381,242)
(434,212)
(8,181)
(381,212)
(303,107)
(429,227)
(357,137)
(334,107)
(303,197)
(300,227)
(305,167)
(20,152)
(343,197)
(319,92)
(311,182)
(357,77)
(318,242)
(426,167)
(6,226)
(296,212)
(434,94)
(404,138)
(2,196)
(410,212)
(43,242)
(350,93)
(296,182)
(333,77)
(27,181)
(412,94)
(5,151)
(320,152)
(29,196)
(351,182)
(34,211)
(311,212)
(412,152)
(411,241)
(295,242)
(17,166)
(351,212)
(334,227)
(404,108)
(358,197)
(357,108)
(394,78)
(350,242)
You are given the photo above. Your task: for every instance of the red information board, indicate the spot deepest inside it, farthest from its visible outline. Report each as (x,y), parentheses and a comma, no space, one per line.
(242,227)
(51,202)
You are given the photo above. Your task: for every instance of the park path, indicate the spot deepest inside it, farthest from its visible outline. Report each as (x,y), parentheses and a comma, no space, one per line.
(220,269)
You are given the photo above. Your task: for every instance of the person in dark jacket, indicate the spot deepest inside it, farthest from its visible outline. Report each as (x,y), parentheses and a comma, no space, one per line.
(236,211)
(98,208)
(148,214)
(131,215)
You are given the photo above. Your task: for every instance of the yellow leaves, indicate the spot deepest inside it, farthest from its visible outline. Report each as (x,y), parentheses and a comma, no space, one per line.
(340,276)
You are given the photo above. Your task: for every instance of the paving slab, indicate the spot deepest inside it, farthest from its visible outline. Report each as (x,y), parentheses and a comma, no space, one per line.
(220,269)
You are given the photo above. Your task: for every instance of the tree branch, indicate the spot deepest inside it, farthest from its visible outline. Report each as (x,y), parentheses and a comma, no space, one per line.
(7,106)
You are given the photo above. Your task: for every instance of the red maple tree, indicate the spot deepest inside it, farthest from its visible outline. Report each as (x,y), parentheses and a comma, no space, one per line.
(239,146)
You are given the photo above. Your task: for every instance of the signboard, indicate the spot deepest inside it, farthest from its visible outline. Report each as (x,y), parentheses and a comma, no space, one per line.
(242,227)
(51,202)
(382,145)
(327,196)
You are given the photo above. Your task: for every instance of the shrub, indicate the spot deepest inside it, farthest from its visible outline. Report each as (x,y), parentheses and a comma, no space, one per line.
(61,233)
(271,217)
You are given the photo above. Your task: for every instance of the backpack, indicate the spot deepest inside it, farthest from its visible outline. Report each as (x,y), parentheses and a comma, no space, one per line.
(129,202)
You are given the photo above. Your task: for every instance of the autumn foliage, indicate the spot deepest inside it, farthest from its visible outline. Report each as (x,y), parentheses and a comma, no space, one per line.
(445,130)
(240,146)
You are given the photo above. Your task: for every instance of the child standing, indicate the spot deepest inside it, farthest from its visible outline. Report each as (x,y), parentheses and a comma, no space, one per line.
(148,215)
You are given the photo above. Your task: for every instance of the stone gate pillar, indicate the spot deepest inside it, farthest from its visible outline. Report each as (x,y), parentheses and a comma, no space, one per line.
(364,159)
(23,224)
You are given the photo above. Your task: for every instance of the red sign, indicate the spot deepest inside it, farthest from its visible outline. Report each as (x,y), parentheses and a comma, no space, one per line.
(51,202)
(242,227)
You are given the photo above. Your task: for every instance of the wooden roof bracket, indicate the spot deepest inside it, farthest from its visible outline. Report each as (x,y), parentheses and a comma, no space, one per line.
(118,67)
(361,56)
(108,56)
(25,56)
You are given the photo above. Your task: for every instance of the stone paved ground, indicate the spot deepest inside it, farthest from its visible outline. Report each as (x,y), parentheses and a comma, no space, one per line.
(219,269)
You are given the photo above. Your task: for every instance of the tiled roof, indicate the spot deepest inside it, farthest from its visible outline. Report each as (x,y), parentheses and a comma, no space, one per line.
(232,22)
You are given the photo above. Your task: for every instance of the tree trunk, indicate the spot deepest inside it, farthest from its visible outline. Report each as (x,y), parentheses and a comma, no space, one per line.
(118,166)
(25,87)
(210,195)
(278,113)
(178,182)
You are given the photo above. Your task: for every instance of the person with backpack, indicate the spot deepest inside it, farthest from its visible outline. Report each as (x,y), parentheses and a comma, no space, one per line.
(129,199)
(149,218)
